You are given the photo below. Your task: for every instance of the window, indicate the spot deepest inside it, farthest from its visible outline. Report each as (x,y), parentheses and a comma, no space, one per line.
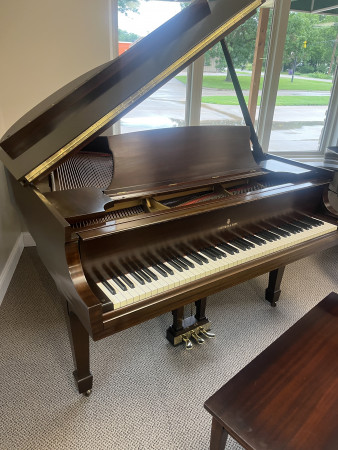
(166,107)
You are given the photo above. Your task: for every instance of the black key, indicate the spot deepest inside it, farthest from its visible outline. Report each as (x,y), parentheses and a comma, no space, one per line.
(195,258)
(200,257)
(144,275)
(279,231)
(186,261)
(160,271)
(269,236)
(261,234)
(181,263)
(165,268)
(127,281)
(137,277)
(239,245)
(175,265)
(119,283)
(109,287)
(208,254)
(228,248)
(311,221)
(220,252)
(246,243)
(214,251)
(150,273)
(290,227)
(301,225)
(291,222)
(272,235)
(255,239)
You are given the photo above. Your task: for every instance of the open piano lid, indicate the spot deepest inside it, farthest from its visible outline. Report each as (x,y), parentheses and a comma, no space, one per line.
(73,116)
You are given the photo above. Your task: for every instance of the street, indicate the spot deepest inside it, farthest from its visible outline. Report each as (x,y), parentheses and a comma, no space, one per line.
(295,128)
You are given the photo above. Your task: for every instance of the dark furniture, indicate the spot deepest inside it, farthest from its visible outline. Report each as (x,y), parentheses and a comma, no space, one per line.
(287,397)
(110,214)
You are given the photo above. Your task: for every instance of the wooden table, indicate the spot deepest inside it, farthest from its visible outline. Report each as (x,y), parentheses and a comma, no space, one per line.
(287,397)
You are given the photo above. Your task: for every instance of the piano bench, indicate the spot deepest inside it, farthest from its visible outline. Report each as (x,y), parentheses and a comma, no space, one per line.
(287,397)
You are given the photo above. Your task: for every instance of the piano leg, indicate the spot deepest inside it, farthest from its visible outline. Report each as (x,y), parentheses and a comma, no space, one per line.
(185,327)
(273,291)
(178,318)
(79,341)
(200,309)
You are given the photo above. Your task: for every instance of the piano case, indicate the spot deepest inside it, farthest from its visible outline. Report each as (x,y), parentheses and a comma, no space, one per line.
(107,212)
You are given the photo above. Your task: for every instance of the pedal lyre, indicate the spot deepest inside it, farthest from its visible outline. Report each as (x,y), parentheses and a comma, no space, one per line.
(206,333)
(187,341)
(197,338)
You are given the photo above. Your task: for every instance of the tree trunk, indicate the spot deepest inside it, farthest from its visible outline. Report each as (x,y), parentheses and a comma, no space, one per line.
(228,77)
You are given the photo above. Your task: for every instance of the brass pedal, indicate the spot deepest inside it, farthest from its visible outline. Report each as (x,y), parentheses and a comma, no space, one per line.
(206,333)
(187,341)
(197,338)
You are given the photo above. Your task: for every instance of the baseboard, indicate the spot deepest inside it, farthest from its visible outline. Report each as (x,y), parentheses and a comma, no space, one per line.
(24,240)
(10,266)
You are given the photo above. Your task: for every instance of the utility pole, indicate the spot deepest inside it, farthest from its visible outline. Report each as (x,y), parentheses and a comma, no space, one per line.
(294,64)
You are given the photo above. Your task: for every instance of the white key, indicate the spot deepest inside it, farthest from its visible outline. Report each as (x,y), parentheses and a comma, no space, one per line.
(120,294)
(114,298)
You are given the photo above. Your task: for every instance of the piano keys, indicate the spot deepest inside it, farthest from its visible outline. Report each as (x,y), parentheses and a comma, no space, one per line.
(133,226)
(176,267)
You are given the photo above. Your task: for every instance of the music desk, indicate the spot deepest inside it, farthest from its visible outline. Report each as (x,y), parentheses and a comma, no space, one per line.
(287,397)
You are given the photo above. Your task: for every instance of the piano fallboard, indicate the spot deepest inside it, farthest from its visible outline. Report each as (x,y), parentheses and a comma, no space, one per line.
(104,256)
(114,321)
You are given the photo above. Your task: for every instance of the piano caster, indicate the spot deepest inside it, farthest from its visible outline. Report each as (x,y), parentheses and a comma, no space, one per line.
(87,393)
(197,338)
(187,341)
(206,333)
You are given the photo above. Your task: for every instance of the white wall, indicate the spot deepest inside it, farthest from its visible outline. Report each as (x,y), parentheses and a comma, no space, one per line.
(44,44)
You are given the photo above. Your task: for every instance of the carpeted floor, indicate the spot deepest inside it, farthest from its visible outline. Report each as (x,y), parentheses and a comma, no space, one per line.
(147,394)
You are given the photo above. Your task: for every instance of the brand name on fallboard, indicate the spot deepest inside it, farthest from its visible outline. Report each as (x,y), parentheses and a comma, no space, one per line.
(230,224)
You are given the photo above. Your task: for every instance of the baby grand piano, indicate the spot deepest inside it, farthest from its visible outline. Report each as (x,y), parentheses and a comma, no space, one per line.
(137,225)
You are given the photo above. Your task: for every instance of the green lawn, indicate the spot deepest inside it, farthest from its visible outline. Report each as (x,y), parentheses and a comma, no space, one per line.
(282,100)
(218,82)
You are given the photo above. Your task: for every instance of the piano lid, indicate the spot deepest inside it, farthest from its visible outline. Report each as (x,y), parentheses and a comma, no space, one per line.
(70,118)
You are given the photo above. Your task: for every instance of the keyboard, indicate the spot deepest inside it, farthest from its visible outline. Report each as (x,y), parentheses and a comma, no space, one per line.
(176,267)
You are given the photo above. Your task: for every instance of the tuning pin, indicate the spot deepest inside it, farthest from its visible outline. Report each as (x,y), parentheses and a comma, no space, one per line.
(206,333)
(197,338)
(188,343)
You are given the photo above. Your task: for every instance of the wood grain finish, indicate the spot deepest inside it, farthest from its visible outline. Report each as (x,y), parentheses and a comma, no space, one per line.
(119,320)
(85,108)
(145,158)
(287,397)
(273,291)
(69,227)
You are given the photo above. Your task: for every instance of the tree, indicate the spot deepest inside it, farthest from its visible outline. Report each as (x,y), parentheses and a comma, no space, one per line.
(241,45)
(125,36)
(125,6)
(319,32)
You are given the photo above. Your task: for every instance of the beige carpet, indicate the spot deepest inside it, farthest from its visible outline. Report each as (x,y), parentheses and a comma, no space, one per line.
(147,394)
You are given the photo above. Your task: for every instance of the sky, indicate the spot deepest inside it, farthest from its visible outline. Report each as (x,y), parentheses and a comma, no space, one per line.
(151,15)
